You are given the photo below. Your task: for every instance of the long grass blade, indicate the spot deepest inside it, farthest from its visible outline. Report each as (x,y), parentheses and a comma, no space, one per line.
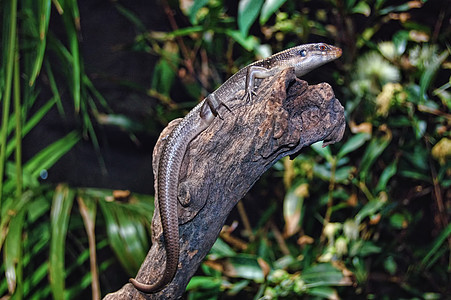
(10,57)
(6,216)
(37,245)
(88,83)
(431,256)
(51,154)
(88,210)
(54,88)
(13,255)
(30,124)
(60,214)
(44,17)
(70,18)
(18,117)
(95,142)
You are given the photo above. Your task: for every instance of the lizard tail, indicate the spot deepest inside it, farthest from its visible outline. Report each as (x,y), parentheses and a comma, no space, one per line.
(148,288)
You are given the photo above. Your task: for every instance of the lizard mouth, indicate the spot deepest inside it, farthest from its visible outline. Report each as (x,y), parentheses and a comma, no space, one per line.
(336,51)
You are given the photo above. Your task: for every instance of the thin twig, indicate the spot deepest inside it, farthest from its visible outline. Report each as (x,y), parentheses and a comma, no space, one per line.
(245,219)
(188,59)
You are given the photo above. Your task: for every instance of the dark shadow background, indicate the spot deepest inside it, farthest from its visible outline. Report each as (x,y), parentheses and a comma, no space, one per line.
(106,37)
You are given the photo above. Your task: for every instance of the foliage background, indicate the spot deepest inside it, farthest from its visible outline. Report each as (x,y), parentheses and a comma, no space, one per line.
(87,86)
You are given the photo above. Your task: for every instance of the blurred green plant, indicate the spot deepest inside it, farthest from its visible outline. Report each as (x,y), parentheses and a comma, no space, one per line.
(45,245)
(365,218)
(36,220)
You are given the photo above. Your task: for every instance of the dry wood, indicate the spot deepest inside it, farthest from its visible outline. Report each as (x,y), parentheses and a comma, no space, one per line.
(225,160)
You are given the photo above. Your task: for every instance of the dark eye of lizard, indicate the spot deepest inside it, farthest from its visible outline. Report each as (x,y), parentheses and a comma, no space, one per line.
(303,53)
(322,47)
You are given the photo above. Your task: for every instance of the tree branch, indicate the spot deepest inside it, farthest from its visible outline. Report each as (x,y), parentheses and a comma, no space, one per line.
(224,161)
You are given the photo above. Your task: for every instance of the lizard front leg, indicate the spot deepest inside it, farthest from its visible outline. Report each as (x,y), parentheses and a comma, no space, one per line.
(254,72)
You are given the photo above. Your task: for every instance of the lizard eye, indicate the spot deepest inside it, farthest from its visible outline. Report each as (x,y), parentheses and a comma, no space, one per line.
(303,53)
(322,47)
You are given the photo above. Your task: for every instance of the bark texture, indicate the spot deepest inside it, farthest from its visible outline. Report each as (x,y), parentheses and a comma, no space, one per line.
(224,161)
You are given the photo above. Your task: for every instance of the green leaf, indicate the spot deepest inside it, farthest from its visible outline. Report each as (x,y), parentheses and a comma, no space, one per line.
(372,152)
(10,52)
(122,121)
(323,292)
(238,287)
(364,248)
(379,3)
(292,209)
(431,256)
(397,221)
(126,233)
(371,208)
(221,249)
(164,74)
(51,154)
(388,173)
(13,253)
(395,8)
(8,209)
(343,174)
(416,158)
(323,151)
(203,282)
(60,214)
(400,41)
(130,16)
(413,174)
(269,8)
(361,8)
(30,124)
(249,43)
(248,11)
(321,171)
(245,266)
(322,275)
(349,3)
(183,32)
(70,17)
(92,89)
(390,265)
(40,274)
(353,143)
(43,17)
(88,211)
(54,87)
(369,248)
(37,208)
(419,127)
(432,296)
(429,73)
(285,262)
(198,4)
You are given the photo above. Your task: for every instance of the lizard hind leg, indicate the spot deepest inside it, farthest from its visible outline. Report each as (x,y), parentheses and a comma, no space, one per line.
(213,105)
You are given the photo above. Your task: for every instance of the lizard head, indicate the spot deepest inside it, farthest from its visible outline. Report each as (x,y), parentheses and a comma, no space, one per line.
(305,58)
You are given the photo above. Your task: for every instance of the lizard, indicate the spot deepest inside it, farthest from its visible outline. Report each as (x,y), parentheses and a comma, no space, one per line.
(303,58)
